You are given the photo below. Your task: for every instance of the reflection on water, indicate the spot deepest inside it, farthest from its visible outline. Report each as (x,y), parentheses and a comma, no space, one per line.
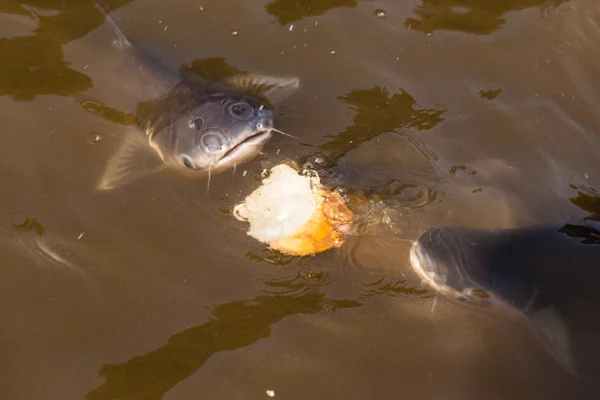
(477,17)
(30,224)
(377,113)
(300,283)
(271,257)
(489,94)
(588,199)
(34,65)
(232,326)
(213,69)
(588,234)
(286,11)
(156,257)
(393,287)
(405,193)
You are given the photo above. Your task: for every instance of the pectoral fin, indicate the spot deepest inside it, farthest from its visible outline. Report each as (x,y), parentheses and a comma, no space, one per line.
(554,337)
(133,160)
(275,89)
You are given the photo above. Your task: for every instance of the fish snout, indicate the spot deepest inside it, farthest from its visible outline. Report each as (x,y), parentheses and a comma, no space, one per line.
(426,265)
(266,123)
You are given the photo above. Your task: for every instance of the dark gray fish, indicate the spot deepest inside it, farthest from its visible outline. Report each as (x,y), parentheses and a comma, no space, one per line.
(192,124)
(548,274)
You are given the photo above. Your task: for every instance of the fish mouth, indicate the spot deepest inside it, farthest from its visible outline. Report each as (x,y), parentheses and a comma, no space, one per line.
(248,147)
(418,261)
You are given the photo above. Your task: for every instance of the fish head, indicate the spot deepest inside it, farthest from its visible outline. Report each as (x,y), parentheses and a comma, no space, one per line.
(502,272)
(220,133)
(451,261)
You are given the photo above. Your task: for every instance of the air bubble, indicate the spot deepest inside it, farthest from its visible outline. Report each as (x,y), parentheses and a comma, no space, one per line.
(92,106)
(234,32)
(380,13)
(313,177)
(94,138)
(341,190)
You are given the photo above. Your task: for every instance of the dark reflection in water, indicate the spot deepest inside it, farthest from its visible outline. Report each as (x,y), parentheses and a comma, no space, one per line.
(286,11)
(588,234)
(271,257)
(30,224)
(588,200)
(377,113)
(489,94)
(478,17)
(300,283)
(405,193)
(393,287)
(34,65)
(212,68)
(232,326)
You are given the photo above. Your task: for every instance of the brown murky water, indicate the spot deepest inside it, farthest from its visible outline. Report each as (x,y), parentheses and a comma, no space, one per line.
(479,113)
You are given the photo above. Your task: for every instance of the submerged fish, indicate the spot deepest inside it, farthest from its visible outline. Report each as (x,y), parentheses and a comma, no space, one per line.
(548,274)
(193,124)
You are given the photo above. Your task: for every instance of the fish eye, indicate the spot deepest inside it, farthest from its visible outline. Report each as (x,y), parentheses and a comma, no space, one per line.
(240,110)
(212,142)
(196,122)
(187,161)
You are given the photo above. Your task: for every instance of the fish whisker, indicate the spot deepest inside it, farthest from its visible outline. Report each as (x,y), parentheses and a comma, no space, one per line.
(285,134)
(208,182)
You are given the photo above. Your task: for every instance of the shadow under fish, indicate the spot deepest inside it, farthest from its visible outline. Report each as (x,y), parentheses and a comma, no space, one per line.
(194,124)
(548,274)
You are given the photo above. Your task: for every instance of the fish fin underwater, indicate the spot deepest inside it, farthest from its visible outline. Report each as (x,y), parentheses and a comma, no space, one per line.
(274,88)
(122,42)
(552,334)
(133,160)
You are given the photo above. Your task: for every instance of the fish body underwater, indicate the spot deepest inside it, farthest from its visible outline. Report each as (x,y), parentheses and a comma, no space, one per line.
(190,123)
(549,274)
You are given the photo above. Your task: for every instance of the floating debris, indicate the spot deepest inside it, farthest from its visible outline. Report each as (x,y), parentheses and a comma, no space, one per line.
(294,213)
(380,13)
(94,138)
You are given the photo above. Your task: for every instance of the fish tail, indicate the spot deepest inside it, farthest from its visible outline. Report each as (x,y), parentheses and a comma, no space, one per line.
(122,38)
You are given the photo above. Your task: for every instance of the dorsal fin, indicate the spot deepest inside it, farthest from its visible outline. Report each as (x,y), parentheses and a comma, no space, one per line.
(122,42)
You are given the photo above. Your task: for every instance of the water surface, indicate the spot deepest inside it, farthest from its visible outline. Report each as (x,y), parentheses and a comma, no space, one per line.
(481,113)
